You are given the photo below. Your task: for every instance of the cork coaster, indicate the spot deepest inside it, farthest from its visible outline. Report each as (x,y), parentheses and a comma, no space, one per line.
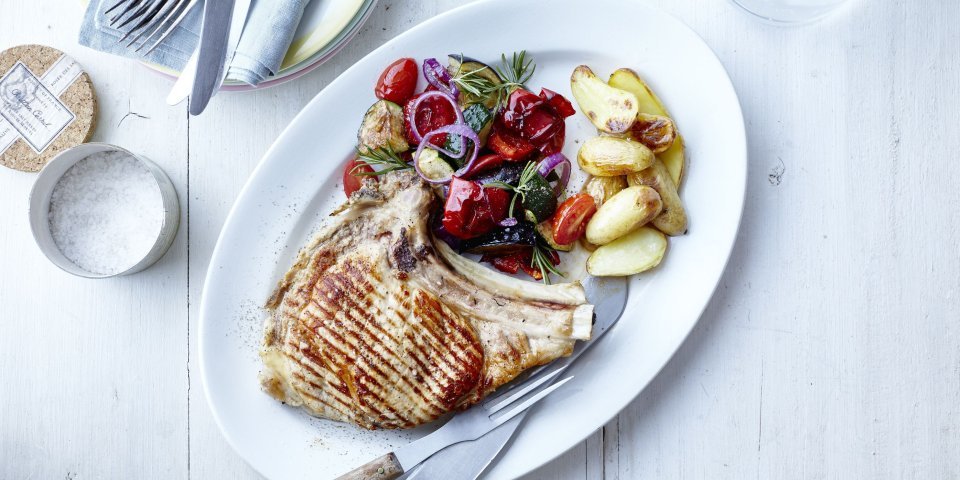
(47,105)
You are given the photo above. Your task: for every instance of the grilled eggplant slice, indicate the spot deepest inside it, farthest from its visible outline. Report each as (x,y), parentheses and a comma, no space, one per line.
(503,240)
(460,66)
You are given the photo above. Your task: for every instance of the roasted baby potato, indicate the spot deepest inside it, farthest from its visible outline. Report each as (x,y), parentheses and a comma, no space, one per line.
(587,245)
(655,132)
(623,213)
(602,188)
(611,156)
(635,252)
(673,160)
(610,109)
(673,219)
(649,103)
(628,80)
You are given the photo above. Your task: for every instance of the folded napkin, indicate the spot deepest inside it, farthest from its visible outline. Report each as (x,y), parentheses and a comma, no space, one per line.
(263,44)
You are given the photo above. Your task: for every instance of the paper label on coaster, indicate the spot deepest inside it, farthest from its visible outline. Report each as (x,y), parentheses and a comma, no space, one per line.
(31,108)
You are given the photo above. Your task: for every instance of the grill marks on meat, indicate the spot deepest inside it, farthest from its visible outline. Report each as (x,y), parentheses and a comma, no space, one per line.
(370,326)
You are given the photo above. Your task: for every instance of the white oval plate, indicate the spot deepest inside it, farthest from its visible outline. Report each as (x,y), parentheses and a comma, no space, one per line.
(296,185)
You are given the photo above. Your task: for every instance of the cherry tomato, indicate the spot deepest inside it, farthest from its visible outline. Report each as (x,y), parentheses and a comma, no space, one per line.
(352,175)
(398,81)
(509,145)
(484,163)
(472,209)
(432,114)
(571,218)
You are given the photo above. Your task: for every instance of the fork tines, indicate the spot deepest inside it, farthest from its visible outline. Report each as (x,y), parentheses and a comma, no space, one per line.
(149,19)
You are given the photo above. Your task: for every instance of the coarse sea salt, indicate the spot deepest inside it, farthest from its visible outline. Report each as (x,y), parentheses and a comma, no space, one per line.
(106,212)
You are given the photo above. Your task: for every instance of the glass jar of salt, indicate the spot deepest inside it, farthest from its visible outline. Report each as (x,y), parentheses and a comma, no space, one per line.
(100,211)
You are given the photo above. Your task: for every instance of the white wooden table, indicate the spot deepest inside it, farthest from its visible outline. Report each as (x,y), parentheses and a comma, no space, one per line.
(831,349)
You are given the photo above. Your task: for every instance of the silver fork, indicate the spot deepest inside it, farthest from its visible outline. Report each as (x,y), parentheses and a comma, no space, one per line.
(468,425)
(150,20)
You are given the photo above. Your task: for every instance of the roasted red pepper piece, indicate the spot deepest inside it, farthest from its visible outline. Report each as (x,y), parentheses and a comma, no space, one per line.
(472,209)
(432,114)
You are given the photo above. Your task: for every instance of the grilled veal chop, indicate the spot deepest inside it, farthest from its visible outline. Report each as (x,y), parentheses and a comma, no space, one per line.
(378,325)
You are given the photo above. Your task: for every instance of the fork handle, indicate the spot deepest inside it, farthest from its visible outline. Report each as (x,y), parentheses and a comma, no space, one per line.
(384,468)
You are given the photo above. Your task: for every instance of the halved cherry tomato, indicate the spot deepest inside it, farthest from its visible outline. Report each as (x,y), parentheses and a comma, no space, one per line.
(472,209)
(432,114)
(571,218)
(509,145)
(484,163)
(398,81)
(353,175)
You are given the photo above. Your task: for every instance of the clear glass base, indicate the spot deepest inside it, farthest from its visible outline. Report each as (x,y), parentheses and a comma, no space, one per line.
(789,12)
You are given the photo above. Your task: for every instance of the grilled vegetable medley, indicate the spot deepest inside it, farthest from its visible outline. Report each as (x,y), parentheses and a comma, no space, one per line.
(491,147)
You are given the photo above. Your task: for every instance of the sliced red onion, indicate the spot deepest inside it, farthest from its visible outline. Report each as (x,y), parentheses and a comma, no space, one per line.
(456,129)
(508,222)
(416,107)
(561,164)
(438,76)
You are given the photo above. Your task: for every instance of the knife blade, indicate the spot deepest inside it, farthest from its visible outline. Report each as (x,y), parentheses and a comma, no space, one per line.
(466,459)
(470,459)
(212,52)
(184,84)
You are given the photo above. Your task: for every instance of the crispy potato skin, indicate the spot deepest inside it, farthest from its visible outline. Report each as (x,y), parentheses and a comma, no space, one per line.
(635,252)
(611,156)
(673,219)
(610,109)
(629,209)
(654,131)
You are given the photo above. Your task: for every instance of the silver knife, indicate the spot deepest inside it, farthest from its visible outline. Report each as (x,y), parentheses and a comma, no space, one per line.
(468,460)
(184,84)
(211,52)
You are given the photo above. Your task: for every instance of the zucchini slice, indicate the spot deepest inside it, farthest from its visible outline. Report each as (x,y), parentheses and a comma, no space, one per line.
(480,120)
(382,127)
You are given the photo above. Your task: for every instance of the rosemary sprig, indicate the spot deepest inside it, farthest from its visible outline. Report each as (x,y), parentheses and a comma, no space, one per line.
(515,73)
(383,157)
(521,188)
(540,259)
